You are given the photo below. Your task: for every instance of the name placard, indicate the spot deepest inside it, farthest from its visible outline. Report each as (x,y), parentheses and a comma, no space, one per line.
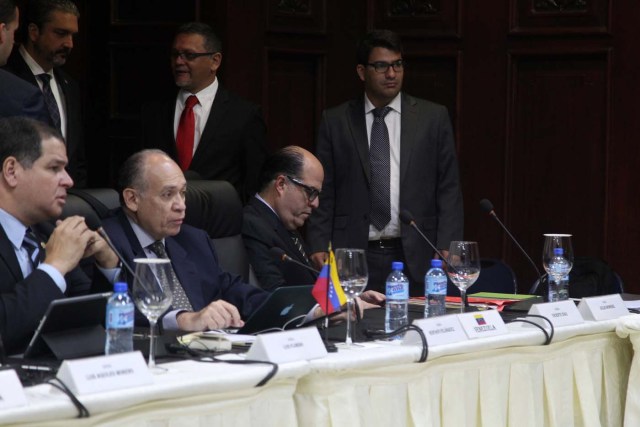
(560,313)
(288,346)
(438,330)
(603,307)
(481,324)
(105,373)
(11,391)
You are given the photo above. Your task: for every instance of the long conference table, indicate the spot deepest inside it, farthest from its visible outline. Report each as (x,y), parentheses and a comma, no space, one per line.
(588,376)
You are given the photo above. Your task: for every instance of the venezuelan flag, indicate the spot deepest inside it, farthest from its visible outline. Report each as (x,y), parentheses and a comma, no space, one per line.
(328,279)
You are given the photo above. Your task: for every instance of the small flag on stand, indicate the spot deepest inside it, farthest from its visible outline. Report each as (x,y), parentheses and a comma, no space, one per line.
(327,290)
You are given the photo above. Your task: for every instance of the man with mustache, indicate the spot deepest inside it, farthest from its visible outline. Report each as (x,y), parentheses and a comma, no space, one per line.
(206,129)
(49,28)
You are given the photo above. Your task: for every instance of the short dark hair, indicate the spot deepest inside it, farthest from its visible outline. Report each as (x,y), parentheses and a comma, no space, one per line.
(377,38)
(7,11)
(211,41)
(22,138)
(132,172)
(38,12)
(286,161)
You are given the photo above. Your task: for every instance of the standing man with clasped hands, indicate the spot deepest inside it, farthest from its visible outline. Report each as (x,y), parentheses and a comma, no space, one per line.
(382,153)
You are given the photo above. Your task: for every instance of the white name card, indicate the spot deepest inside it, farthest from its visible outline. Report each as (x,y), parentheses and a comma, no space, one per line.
(603,307)
(105,373)
(438,330)
(480,324)
(11,391)
(288,346)
(560,313)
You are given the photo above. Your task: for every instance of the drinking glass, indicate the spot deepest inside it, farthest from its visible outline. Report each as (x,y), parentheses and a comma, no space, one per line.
(463,267)
(353,275)
(152,293)
(551,243)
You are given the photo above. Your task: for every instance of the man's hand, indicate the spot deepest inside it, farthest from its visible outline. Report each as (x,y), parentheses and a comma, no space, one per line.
(217,315)
(318,259)
(67,244)
(102,252)
(373,298)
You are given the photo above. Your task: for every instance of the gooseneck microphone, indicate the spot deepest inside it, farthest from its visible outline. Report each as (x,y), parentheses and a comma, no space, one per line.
(487,207)
(93,222)
(407,218)
(280,255)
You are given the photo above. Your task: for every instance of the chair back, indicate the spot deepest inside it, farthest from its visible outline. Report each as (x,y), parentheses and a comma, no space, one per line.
(495,276)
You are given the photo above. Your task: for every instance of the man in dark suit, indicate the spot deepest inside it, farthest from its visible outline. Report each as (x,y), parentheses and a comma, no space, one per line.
(383,153)
(205,128)
(290,182)
(50,28)
(17,97)
(152,190)
(33,189)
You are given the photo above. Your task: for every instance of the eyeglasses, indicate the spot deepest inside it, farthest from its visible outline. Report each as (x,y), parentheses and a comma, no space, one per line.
(383,67)
(312,193)
(189,56)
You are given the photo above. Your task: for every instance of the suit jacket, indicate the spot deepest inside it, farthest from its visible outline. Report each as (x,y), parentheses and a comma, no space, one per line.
(263,230)
(194,261)
(23,301)
(429,182)
(19,98)
(77,166)
(232,146)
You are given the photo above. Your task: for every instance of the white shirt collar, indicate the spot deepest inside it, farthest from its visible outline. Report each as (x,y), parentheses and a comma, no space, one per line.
(395,104)
(205,96)
(35,68)
(13,228)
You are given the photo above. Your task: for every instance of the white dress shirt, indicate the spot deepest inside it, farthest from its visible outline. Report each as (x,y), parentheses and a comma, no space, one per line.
(201,110)
(392,120)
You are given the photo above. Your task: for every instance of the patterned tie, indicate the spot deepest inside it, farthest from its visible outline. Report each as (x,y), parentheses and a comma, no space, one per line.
(298,242)
(50,100)
(31,244)
(180,300)
(379,158)
(186,133)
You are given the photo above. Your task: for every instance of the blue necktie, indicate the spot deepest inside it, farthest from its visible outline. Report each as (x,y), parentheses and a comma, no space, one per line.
(50,101)
(32,246)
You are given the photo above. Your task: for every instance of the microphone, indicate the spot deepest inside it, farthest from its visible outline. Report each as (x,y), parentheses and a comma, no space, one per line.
(280,255)
(487,207)
(93,222)
(407,218)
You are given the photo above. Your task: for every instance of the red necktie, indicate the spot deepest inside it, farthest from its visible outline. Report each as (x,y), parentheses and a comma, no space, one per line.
(186,133)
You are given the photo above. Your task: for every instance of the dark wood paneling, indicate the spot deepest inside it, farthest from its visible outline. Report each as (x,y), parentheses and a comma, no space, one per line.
(294,97)
(557,150)
(559,16)
(421,18)
(297,16)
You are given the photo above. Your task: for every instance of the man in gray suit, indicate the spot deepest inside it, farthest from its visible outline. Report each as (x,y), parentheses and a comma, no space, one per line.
(384,153)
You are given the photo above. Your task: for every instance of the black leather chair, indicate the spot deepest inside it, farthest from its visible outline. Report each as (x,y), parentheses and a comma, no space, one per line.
(495,276)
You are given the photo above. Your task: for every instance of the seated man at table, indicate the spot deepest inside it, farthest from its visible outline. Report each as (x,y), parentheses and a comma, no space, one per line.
(289,185)
(149,224)
(33,189)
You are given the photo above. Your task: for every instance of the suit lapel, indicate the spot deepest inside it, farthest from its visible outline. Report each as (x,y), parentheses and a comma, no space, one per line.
(408,123)
(358,127)
(186,271)
(216,115)
(8,256)
(286,244)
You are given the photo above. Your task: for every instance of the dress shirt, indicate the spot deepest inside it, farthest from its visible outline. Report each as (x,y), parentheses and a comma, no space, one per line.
(15,233)
(392,120)
(201,110)
(57,92)
(169,321)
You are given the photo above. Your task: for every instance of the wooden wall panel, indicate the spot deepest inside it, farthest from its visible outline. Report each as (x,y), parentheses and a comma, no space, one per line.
(294,97)
(557,150)
(559,16)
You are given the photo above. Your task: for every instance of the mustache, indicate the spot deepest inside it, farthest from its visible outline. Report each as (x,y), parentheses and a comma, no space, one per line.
(63,51)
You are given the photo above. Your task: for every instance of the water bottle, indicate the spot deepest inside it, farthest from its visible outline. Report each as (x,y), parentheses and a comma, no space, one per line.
(435,290)
(397,304)
(120,315)
(559,267)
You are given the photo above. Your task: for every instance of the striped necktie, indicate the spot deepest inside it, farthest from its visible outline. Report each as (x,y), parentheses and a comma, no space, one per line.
(32,245)
(50,101)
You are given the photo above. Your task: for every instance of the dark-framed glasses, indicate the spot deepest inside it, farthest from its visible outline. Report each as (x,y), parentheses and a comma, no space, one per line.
(383,67)
(312,193)
(189,56)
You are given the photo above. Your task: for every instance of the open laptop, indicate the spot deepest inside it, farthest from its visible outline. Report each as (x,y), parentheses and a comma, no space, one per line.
(71,328)
(281,310)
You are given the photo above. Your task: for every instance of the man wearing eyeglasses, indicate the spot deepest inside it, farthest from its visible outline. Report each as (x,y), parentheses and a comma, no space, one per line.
(206,129)
(290,182)
(382,153)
